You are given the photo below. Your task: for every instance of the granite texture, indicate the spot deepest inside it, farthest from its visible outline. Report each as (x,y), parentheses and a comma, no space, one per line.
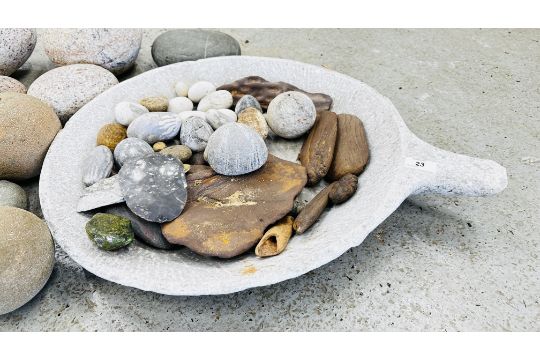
(436,264)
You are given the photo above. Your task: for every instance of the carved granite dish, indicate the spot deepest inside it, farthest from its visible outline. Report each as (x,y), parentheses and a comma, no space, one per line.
(400,165)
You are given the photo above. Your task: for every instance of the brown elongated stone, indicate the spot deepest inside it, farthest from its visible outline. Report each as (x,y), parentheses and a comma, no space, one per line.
(343,189)
(312,211)
(265,91)
(276,238)
(318,149)
(227,215)
(351,153)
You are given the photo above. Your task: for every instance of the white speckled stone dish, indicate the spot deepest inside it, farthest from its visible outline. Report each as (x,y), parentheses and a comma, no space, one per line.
(400,165)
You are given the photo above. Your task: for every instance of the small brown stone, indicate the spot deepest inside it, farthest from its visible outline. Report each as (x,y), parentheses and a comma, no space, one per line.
(110,135)
(160,145)
(155,103)
(351,153)
(198,159)
(181,152)
(276,238)
(312,211)
(318,149)
(343,189)
(265,91)
(255,120)
(199,172)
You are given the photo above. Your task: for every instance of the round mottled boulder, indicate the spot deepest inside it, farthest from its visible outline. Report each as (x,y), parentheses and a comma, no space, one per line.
(27,128)
(13,195)
(26,259)
(16,46)
(68,88)
(114,49)
(10,84)
(186,45)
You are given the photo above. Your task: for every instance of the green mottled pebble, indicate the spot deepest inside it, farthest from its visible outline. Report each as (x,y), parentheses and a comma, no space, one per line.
(109,232)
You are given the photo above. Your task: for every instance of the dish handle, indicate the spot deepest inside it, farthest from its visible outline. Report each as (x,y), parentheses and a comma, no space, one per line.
(437,171)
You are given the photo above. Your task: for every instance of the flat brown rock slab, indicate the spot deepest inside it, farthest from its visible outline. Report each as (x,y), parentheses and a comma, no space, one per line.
(227,215)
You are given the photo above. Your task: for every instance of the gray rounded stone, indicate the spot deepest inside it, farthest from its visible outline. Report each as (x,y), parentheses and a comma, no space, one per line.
(16,46)
(154,187)
(131,149)
(186,45)
(68,88)
(26,259)
(114,49)
(291,114)
(97,165)
(10,84)
(195,131)
(155,126)
(235,149)
(245,102)
(13,195)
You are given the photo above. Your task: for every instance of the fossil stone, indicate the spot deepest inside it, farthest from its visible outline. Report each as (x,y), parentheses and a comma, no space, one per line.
(180,104)
(351,153)
(97,165)
(155,103)
(181,152)
(146,231)
(312,211)
(195,131)
(199,90)
(131,149)
(265,91)
(255,120)
(236,149)
(245,102)
(210,222)
(291,114)
(110,135)
(102,193)
(109,232)
(155,126)
(343,189)
(276,238)
(318,148)
(125,112)
(217,118)
(154,187)
(181,89)
(221,99)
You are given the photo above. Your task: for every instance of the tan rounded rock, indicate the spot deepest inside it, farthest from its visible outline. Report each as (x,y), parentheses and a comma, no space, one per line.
(10,84)
(160,145)
(181,152)
(27,128)
(255,120)
(26,257)
(110,135)
(155,103)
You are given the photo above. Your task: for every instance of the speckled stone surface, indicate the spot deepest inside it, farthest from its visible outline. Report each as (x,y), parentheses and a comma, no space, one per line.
(70,87)
(436,264)
(10,84)
(16,46)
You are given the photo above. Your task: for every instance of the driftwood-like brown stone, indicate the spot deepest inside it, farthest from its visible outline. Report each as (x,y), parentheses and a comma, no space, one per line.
(312,211)
(351,153)
(276,238)
(227,215)
(318,149)
(197,159)
(343,189)
(265,91)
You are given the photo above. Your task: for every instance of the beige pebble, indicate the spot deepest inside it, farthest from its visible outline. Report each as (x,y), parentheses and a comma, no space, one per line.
(255,120)
(155,103)
(181,152)
(160,145)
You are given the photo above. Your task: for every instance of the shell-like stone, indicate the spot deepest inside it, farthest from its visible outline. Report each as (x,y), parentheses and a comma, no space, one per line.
(195,131)
(291,114)
(180,104)
(131,149)
(181,152)
(221,99)
(103,193)
(154,187)
(155,103)
(219,117)
(236,149)
(254,119)
(97,165)
(245,102)
(199,90)
(181,88)
(155,126)
(125,112)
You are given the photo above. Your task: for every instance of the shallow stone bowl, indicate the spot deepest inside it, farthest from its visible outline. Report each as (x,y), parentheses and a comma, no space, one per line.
(400,165)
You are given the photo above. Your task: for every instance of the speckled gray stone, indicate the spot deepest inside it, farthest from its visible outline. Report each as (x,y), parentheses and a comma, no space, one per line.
(13,195)
(26,259)
(187,45)
(291,114)
(245,102)
(114,49)
(236,149)
(155,126)
(195,131)
(217,118)
(97,165)
(103,193)
(154,187)
(68,88)
(131,149)
(16,46)
(10,84)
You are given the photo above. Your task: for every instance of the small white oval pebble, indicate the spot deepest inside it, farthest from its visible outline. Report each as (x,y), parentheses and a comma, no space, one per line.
(131,149)
(199,90)
(155,126)
(181,89)
(291,114)
(187,114)
(217,118)
(125,112)
(180,104)
(221,99)
(97,165)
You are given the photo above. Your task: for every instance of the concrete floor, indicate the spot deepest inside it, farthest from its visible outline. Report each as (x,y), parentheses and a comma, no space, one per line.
(437,263)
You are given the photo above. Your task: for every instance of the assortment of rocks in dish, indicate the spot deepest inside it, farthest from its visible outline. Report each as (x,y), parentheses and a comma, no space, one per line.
(10,84)
(194,165)
(68,88)
(16,46)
